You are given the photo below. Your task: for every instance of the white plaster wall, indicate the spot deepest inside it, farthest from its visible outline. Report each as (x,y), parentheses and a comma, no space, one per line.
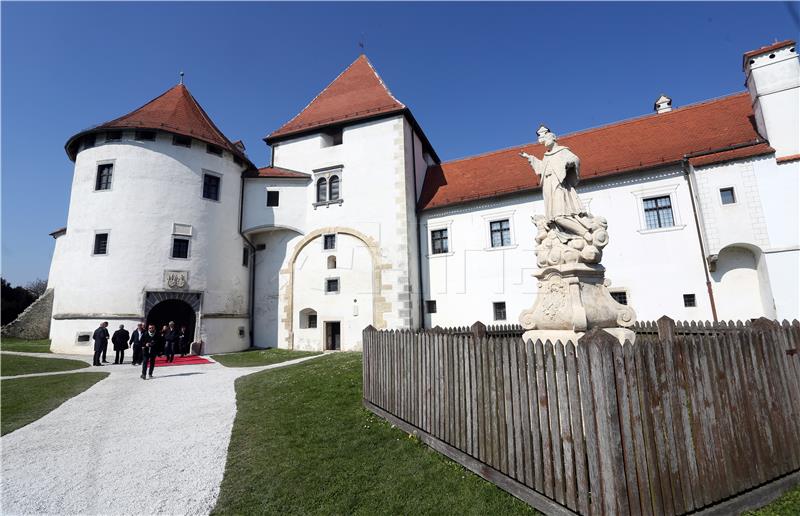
(656,267)
(155,184)
(784,272)
(352,306)
(292,204)
(737,286)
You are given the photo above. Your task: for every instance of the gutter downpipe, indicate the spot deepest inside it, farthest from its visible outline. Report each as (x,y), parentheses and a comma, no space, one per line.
(687,174)
(252,262)
(419,232)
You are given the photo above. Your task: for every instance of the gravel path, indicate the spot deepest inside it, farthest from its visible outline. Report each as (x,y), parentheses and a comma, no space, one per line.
(127,446)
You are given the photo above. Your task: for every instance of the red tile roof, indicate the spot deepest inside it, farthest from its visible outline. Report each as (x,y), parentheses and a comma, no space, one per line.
(277,172)
(764,50)
(176,111)
(357,93)
(740,153)
(641,143)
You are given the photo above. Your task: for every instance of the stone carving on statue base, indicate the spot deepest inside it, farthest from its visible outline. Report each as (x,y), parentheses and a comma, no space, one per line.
(573,294)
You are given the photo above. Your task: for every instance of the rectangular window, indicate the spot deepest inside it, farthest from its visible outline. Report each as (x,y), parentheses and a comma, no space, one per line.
(439,243)
(245,257)
(689,301)
(181,141)
(104,173)
(329,242)
(727,195)
(500,232)
(332,285)
(145,136)
(312,320)
(658,212)
(499,311)
(89,141)
(180,248)
(213,149)
(332,137)
(113,136)
(620,297)
(100,243)
(211,187)
(430,307)
(272,198)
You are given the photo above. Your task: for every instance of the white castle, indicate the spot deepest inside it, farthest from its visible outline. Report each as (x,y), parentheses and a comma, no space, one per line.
(357,222)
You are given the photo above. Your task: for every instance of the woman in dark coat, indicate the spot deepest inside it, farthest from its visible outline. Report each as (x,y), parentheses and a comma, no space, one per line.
(183,341)
(120,341)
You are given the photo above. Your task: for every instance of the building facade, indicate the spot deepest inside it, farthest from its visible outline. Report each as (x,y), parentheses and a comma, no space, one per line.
(357,222)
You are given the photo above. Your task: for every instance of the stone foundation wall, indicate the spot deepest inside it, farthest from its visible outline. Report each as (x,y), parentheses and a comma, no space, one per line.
(34,321)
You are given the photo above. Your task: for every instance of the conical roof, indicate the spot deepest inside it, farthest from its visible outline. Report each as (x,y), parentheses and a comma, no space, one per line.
(356,94)
(176,111)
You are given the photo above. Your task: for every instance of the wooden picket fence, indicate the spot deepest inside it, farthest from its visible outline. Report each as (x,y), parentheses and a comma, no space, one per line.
(676,423)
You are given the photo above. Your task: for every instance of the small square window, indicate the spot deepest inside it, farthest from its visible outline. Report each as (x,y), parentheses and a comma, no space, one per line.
(211,187)
(213,149)
(113,136)
(145,136)
(104,174)
(273,197)
(180,248)
(430,307)
(181,141)
(101,243)
(727,195)
(332,137)
(500,231)
(689,300)
(312,321)
(329,242)
(332,286)
(439,242)
(245,257)
(658,212)
(620,297)
(499,311)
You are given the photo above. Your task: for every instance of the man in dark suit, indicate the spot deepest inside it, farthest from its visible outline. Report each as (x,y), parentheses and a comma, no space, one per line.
(151,345)
(171,339)
(136,343)
(120,341)
(100,337)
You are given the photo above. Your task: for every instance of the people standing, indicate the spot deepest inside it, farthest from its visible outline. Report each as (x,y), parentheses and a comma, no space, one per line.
(136,343)
(151,342)
(100,337)
(120,341)
(171,341)
(183,341)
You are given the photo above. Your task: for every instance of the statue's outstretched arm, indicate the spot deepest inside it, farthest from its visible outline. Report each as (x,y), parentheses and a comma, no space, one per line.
(534,161)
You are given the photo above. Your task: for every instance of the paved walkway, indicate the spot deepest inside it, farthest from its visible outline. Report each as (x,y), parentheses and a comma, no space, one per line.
(128,446)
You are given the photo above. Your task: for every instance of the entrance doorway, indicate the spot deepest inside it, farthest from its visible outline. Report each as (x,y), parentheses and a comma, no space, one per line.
(173,310)
(333,333)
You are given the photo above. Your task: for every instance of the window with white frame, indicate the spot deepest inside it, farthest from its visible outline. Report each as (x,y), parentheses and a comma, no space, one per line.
(328,186)
(332,285)
(658,212)
(273,197)
(104,173)
(500,233)
(100,244)
(211,184)
(727,195)
(180,248)
(439,241)
(499,309)
(329,242)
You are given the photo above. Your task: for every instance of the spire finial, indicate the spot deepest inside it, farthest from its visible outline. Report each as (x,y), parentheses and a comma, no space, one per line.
(362,43)
(181,80)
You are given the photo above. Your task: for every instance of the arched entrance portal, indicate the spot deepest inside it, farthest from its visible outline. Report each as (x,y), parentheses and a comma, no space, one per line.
(173,310)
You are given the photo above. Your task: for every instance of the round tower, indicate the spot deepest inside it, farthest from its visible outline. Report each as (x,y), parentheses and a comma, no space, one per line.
(153,229)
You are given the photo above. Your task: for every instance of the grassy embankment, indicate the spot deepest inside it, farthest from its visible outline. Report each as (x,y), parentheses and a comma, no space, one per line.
(256,357)
(29,346)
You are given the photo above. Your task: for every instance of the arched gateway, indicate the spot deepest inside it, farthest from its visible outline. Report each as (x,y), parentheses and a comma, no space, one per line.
(180,307)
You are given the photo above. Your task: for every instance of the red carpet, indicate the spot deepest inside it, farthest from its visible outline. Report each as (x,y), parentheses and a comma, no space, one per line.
(179,360)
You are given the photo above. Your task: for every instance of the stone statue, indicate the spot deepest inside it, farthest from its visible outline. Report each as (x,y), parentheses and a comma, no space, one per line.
(573,294)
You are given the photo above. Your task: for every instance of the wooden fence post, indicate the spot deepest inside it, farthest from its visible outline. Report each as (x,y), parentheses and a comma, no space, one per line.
(666,328)
(478,330)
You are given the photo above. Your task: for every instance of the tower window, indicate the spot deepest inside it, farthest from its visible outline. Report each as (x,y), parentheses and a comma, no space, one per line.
(322,189)
(104,173)
(500,231)
(211,187)
(727,195)
(332,286)
(332,137)
(329,242)
(100,243)
(658,212)
(689,300)
(213,149)
(181,141)
(499,311)
(145,136)
(439,244)
(89,141)
(180,248)
(430,307)
(272,198)
(113,136)
(333,188)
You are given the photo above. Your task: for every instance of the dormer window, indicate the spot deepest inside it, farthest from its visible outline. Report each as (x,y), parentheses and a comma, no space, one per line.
(113,136)
(213,149)
(332,137)
(145,136)
(181,141)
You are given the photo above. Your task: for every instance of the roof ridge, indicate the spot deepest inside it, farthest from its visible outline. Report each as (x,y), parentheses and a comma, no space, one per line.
(380,79)
(205,115)
(595,128)
(138,108)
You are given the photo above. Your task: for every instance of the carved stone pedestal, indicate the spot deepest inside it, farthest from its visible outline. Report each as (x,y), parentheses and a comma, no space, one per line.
(573,298)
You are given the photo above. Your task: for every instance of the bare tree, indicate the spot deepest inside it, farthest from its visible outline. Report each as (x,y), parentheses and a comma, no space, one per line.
(37,287)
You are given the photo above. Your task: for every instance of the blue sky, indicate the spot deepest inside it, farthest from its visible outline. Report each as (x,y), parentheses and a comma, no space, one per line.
(477,76)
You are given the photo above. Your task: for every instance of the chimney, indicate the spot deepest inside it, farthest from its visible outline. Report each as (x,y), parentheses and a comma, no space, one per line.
(773,80)
(663,104)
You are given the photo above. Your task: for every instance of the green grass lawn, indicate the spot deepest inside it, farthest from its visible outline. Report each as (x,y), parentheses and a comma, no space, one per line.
(786,505)
(303,444)
(254,357)
(25,400)
(13,365)
(30,346)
